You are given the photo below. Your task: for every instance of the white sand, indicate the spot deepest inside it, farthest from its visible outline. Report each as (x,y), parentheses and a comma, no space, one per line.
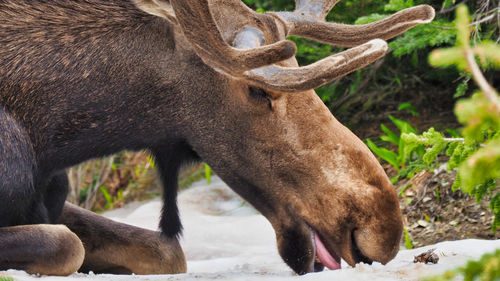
(225,239)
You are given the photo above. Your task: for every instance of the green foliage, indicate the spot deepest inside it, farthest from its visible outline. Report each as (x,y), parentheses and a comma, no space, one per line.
(477,154)
(208,173)
(462,88)
(478,179)
(113,181)
(408,241)
(151,161)
(111,200)
(432,152)
(191,174)
(398,5)
(487,51)
(271,5)
(481,167)
(408,159)
(422,37)
(370,18)
(409,107)
(434,141)
(479,115)
(390,136)
(384,153)
(107,196)
(485,269)
(6,278)
(397,160)
(495,206)
(403,126)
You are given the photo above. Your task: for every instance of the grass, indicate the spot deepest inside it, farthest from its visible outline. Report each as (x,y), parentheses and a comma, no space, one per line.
(408,241)
(191,174)
(111,182)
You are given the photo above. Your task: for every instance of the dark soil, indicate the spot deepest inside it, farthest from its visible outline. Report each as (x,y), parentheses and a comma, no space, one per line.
(434,213)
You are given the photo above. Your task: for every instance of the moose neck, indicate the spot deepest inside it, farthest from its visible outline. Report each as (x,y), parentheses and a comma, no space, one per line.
(95,86)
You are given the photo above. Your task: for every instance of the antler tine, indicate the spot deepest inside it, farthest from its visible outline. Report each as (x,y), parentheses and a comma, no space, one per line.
(303,24)
(293,79)
(316,9)
(201,30)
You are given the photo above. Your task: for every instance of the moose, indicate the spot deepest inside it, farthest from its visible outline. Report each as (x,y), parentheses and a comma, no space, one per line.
(193,80)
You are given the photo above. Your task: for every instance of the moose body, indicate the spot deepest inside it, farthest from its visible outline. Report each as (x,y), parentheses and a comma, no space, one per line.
(99,91)
(88,78)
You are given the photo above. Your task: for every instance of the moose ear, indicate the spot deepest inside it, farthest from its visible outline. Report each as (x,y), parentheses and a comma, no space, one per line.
(159,8)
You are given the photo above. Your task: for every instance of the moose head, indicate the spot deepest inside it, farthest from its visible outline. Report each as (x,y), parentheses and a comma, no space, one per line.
(201,79)
(270,137)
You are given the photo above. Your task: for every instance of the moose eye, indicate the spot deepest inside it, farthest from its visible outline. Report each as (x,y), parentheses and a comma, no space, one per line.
(259,94)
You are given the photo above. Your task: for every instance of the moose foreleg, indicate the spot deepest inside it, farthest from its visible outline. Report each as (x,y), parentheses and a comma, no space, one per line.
(113,247)
(43,249)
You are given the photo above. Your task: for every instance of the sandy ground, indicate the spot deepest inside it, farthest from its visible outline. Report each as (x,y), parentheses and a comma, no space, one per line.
(225,239)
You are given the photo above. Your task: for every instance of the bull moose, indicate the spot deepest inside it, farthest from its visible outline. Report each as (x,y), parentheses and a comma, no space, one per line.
(193,80)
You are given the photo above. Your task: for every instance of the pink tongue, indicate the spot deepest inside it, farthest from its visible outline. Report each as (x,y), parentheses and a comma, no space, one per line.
(323,254)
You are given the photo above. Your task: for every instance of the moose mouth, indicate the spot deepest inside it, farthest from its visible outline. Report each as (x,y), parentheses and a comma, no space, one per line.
(329,258)
(323,257)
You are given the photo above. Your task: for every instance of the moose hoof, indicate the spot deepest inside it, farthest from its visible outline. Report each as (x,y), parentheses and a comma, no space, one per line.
(164,256)
(172,256)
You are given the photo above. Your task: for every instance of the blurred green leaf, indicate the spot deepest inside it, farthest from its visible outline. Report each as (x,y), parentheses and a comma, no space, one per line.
(370,18)
(409,107)
(408,242)
(390,135)
(478,114)
(462,88)
(208,173)
(448,56)
(463,29)
(489,51)
(403,126)
(387,155)
(482,165)
(398,5)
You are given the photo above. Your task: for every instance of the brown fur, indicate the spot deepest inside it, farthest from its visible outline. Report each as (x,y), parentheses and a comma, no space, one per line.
(112,247)
(87,78)
(55,250)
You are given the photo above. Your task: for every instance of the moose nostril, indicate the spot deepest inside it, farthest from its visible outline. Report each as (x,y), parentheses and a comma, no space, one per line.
(356,252)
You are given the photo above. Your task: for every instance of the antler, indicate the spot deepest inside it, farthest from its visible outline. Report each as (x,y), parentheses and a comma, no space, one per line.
(291,79)
(257,45)
(308,21)
(201,30)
